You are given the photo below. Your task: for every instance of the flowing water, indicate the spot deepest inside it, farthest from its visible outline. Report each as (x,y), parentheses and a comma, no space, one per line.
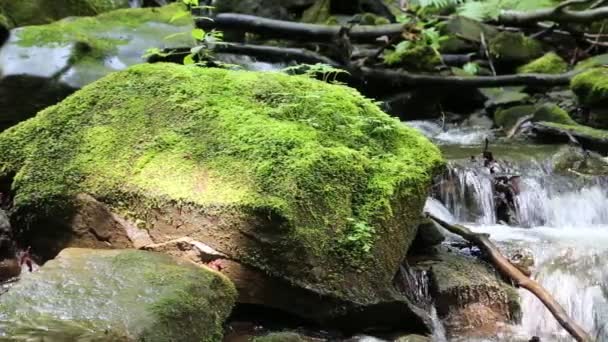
(561,220)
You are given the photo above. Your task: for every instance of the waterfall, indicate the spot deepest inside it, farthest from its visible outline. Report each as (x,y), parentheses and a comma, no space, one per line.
(562,219)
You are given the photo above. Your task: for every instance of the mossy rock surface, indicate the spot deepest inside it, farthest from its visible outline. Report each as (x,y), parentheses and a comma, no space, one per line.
(36,12)
(415,55)
(548,112)
(550,63)
(591,87)
(308,181)
(512,47)
(117,295)
(43,64)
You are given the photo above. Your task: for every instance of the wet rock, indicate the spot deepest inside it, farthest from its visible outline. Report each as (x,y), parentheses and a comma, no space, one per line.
(547,112)
(413,338)
(591,87)
(9,268)
(118,295)
(41,65)
(504,97)
(589,138)
(462,31)
(514,48)
(37,12)
(428,235)
(470,297)
(255,169)
(282,337)
(573,160)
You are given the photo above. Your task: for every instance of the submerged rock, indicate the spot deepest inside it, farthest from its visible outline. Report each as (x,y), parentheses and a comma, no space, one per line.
(117,295)
(308,182)
(36,12)
(43,64)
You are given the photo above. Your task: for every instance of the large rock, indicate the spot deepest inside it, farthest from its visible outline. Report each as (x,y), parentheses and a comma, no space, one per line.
(547,112)
(36,12)
(550,63)
(117,295)
(306,181)
(591,87)
(514,48)
(41,65)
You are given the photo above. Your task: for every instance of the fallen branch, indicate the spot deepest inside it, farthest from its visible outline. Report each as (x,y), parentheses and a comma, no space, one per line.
(275,54)
(505,267)
(271,28)
(399,78)
(558,14)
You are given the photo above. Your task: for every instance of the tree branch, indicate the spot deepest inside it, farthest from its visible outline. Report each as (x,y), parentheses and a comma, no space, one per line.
(559,14)
(400,78)
(275,54)
(271,28)
(505,267)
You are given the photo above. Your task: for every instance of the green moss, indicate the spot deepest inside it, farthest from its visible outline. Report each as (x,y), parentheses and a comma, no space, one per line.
(580,130)
(36,12)
(591,86)
(413,56)
(109,295)
(514,47)
(372,19)
(5,22)
(83,30)
(550,63)
(549,112)
(592,62)
(318,13)
(321,160)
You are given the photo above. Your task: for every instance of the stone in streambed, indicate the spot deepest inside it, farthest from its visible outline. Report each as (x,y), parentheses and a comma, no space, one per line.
(117,295)
(41,65)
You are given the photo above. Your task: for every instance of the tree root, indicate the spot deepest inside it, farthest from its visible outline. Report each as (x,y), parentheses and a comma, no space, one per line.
(505,267)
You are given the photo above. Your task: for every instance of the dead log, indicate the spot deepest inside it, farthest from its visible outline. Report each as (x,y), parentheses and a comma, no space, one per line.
(507,269)
(271,28)
(400,78)
(557,14)
(275,54)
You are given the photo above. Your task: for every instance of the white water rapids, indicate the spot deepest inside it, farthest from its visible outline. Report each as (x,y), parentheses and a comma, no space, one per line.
(562,220)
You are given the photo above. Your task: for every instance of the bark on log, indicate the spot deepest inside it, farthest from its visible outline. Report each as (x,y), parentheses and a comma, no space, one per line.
(271,28)
(275,54)
(399,78)
(558,14)
(505,267)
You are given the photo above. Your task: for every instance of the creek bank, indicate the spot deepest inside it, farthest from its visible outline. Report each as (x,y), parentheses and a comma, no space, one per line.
(259,164)
(43,64)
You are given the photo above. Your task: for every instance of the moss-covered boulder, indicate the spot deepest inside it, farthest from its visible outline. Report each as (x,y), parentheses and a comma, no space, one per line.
(307,181)
(36,12)
(591,87)
(590,138)
(43,64)
(504,97)
(548,112)
(550,63)
(413,55)
(516,48)
(571,160)
(117,295)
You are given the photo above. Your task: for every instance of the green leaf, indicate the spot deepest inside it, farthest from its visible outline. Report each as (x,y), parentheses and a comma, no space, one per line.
(198,34)
(179,15)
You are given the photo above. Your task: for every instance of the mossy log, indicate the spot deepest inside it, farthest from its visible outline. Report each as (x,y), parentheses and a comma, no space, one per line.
(271,28)
(558,14)
(506,268)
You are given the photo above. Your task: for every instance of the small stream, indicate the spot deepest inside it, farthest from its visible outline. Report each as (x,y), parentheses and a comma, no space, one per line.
(561,219)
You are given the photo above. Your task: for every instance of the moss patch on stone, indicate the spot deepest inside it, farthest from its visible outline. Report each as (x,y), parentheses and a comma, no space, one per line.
(580,130)
(318,13)
(86,30)
(36,12)
(550,63)
(591,86)
(344,182)
(117,295)
(548,112)
(514,47)
(412,55)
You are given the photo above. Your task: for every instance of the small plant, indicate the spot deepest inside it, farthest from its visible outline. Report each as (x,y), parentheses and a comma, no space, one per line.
(357,241)
(471,68)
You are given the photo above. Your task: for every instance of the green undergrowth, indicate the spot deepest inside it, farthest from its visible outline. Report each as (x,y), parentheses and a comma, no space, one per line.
(94,32)
(320,157)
